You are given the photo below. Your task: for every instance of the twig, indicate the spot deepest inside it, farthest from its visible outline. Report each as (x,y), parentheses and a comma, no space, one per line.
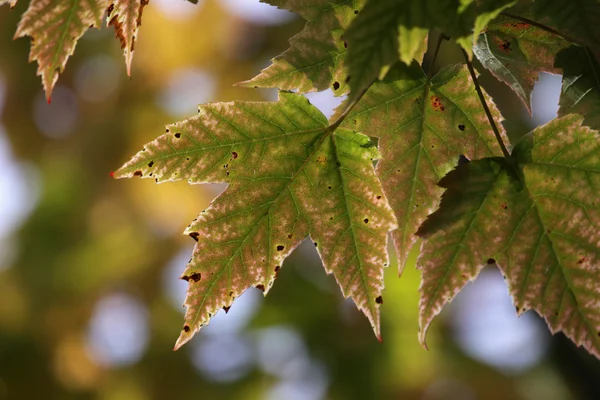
(486,108)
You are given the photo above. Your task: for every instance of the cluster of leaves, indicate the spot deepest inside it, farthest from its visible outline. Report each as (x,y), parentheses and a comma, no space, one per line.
(382,162)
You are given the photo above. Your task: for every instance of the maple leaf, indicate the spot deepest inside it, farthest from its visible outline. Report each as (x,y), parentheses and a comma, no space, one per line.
(387,29)
(581,85)
(290,175)
(55,26)
(423,125)
(126,17)
(515,52)
(539,224)
(315,59)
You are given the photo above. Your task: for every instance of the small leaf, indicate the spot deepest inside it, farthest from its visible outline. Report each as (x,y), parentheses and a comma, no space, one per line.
(55,26)
(515,52)
(126,17)
(423,127)
(581,85)
(316,57)
(289,177)
(461,234)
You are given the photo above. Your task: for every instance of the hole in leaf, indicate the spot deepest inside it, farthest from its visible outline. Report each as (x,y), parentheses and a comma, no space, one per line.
(137,173)
(379,300)
(280,248)
(261,287)
(178,135)
(316,244)
(491,261)
(366,220)
(336,85)
(378,197)
(186,328)
(194,235)
(461,127)
(150,164)
(226,309)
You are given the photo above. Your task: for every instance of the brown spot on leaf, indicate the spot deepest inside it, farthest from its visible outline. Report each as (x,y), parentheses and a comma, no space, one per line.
(150,164)
(290,236)
(581,260)
(503,45)
(491,261)
(178,135)
(336,85)
(277,268)
(378,197)
(366,220)
(345,44)
(504,206)
(280,248)
(194,235)
(436,103)
(137,173)
(234,154)
(461,127)
(321,159)
(186,328)
(226,309)
(261,287)
(379,300)
(195,277)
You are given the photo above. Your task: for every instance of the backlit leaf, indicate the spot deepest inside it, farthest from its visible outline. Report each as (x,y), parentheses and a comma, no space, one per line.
(515,52)
(126,17)
(423,126)
(540,225)
(290,176)
(55,26)
(316,57)
(552,257)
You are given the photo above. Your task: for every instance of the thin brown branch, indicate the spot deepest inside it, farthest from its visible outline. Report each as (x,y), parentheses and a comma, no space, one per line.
(486,108)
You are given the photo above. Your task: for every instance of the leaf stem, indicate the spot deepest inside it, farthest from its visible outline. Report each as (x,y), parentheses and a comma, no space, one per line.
(441,38)
(541,26)
(486,108)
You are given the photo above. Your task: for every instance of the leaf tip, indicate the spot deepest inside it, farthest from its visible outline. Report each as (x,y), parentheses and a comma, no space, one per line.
(185,336)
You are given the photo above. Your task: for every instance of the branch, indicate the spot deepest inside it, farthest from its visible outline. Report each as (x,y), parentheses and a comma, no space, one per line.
(486,108)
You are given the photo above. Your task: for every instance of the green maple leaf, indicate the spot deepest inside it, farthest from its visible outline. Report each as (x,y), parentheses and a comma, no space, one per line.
(581,84)
(423,125)
(539,224)
(55,26)
(290,175)
(316,57)
(126,17)
(515,52)
(388,30)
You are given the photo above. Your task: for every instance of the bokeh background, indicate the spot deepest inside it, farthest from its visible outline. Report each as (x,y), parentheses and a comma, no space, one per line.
(90,300)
